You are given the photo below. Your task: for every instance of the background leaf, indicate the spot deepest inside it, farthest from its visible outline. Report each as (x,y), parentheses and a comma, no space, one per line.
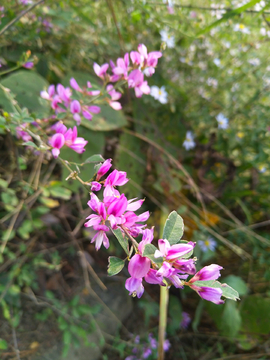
(115,265)
(174,228)
(26,85)
(122,240)
(227,291)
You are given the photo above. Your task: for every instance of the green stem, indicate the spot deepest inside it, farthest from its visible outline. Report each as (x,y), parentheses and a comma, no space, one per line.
(10,70)
(72,172)
(164,298)
(163,306)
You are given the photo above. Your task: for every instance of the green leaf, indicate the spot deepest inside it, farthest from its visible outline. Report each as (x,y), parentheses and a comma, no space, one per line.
(3,344)
(60,192)
(174,228)
(115,265)
(30,143)
(255,312)
(7,235)
(175,314)
(94,159)
(227,16)
(236,283)
(149,251)
(26,86)
(108,119)
(3,121)
(28,119)
(67,337)
(3,183)
(122,240)
(197,317)
(25,229)
(227,291)
(227,318)
(231,319)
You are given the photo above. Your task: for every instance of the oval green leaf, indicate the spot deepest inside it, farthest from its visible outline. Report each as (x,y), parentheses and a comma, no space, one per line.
(115,265)
(174,228)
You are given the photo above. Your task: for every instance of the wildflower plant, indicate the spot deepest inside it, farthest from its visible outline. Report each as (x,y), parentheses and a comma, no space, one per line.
(171,262)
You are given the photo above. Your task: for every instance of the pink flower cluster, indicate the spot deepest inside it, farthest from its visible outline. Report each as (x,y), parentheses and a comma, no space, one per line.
(142,64)
(173,270)
(61,100)
(169,265)
(21,134)
(66,137)
(114,209)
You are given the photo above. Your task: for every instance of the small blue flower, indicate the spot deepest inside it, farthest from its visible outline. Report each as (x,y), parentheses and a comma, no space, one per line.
(208,244)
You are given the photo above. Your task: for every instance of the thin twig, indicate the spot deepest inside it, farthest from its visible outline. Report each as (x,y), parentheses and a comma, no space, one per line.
(191,7)
(15,343)
(134,242)
(10,228)
(189,179)
(19,16)
(121,41)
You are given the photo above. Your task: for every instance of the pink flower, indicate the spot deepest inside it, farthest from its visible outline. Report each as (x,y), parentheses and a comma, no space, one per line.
(152,278)
(75,143)
(134,286)
(118,206)
(210,294)
(115,95)
(57,141)
(105,167)
(64,94)
(143,51)
(173,252)
(28,65)
(59,127)
(101,237)
(95,186)
(98,206)
(93,92)
(142,89)
(101,70)
(66,137)
(136,80)
(48,95)
(74,85)
(146,61)
(90,109)
(122,66)
(21,134)
(134,205)
(116,178)
(75,108)
(139,266)
(136,58)
(185,266)
(211,272)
